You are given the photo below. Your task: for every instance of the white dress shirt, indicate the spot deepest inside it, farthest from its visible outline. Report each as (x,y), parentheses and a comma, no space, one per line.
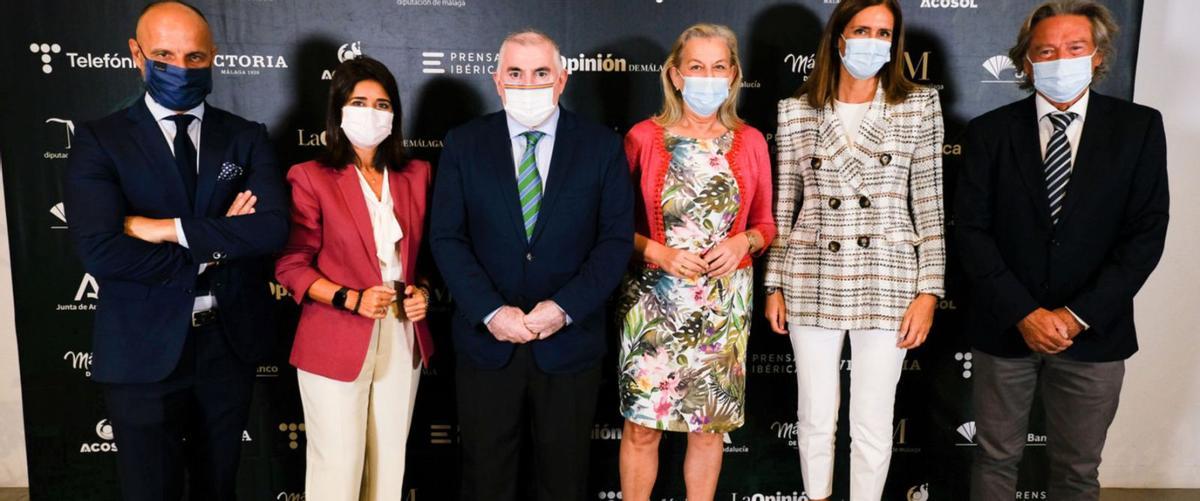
(545,149)
(1074,132)
(545,145)
(161,115)
(1074,129)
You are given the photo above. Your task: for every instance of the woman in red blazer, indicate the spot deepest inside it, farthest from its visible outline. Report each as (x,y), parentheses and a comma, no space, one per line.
(351,261)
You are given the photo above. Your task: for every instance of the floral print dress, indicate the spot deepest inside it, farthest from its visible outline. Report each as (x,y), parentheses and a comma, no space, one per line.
(683,342)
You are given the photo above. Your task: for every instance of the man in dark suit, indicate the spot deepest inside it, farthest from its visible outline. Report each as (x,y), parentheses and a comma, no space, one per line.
(1061,217)
(532,227)
(176,207)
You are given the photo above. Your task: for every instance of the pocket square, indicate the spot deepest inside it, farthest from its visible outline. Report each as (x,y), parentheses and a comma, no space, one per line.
(229,171)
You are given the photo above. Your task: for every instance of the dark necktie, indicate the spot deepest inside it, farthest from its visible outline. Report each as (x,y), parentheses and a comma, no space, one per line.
(185,155)
(1058,163)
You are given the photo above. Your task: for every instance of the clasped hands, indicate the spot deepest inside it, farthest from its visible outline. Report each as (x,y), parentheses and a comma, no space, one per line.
(1049,332)
(511,325)
(717,262)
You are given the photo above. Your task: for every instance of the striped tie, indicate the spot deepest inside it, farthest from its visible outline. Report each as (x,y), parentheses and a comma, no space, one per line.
(529,182)
(1058,163)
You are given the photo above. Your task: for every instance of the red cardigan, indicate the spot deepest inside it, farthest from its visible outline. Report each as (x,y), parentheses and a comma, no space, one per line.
(331,238)
(748,159)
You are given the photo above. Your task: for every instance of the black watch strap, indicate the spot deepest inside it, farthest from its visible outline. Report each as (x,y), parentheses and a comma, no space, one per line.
(339,298)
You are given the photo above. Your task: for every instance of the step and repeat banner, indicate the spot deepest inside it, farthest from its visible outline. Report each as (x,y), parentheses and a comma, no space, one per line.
(67,62)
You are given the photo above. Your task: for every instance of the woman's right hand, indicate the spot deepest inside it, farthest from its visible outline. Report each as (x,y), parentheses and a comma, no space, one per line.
(680,263)
(376,302)
(242,204)
(776,311)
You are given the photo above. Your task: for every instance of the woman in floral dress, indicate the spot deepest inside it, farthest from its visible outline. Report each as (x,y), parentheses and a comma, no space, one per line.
(704,206)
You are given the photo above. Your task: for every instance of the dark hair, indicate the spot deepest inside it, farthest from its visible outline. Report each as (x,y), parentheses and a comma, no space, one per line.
(1104,30)
(821,86)
(156,3)
(338,151)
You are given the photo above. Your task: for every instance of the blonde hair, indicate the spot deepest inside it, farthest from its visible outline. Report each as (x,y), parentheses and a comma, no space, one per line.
(672,107)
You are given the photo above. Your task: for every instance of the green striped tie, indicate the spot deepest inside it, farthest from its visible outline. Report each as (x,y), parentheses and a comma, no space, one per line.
(529,182)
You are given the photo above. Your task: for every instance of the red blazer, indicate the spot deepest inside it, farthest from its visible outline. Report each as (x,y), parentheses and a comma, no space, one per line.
(748,160)
(331,238)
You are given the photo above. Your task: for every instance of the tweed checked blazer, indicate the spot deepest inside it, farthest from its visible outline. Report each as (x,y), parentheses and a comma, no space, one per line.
(861,227)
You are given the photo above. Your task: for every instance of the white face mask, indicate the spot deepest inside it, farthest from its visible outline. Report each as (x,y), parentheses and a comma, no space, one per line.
(366,127)
(1062,80)
(529,105)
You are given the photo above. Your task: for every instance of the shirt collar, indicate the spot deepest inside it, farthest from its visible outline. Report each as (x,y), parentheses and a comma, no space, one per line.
(548,127)
(1044,107)
(160,112)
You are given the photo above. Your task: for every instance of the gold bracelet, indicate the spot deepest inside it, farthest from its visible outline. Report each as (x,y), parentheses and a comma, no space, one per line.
(752,239)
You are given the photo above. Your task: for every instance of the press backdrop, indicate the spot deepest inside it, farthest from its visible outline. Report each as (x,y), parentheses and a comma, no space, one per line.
(66,62)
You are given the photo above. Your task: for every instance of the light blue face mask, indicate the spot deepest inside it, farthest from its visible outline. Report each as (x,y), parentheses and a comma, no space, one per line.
(1062,80)
(865,56)
(705,95)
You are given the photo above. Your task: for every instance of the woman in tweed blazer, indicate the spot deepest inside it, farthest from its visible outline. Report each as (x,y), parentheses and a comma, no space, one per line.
(859,249)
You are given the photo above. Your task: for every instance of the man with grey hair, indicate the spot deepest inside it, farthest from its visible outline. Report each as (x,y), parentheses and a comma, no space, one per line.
(531,226)
(1061,213)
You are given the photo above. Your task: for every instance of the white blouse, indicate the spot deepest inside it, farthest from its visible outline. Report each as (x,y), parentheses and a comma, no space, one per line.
(386,229)
(851,115)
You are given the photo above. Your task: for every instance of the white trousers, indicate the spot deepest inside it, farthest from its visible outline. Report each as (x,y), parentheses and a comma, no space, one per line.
(362,421)
(874,372)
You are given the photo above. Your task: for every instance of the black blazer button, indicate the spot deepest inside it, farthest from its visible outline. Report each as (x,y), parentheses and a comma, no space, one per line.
(815,163)
(864,241)
(834,246)
(835,203)
(864,202)
(885,159)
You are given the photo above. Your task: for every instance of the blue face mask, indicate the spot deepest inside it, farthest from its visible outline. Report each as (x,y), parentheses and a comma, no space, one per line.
(865,56)
(174,87)
(1062,80)
(705,95)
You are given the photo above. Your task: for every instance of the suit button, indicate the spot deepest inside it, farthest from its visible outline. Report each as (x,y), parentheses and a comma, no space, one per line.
(1055,242)
(835,203)
(864,241)
(815,163)
(218,255)
(217,285)
(885,159)
(529,256)
(189,291)
(834,246)
(864,202)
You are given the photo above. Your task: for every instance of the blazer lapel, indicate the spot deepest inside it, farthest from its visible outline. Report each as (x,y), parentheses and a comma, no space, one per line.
(213,141)
(1023,133)
(1088,162)
(352,196)
(403,207)
(875,123)
(850,160)
(150,139)
(560,170)
(499,156)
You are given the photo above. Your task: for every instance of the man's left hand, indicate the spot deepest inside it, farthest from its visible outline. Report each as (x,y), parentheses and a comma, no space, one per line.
(1073,325)
(545,319)
(155,231)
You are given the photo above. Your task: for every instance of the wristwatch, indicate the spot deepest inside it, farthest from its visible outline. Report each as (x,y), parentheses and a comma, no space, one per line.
(772,290)
(339,298)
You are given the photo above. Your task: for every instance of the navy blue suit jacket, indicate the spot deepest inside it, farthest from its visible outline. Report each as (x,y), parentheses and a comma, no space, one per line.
(579,250)
(121,165)
(1109,237)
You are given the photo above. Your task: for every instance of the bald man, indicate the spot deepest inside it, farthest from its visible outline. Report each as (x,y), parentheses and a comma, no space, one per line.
(176,209)
(532,227)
